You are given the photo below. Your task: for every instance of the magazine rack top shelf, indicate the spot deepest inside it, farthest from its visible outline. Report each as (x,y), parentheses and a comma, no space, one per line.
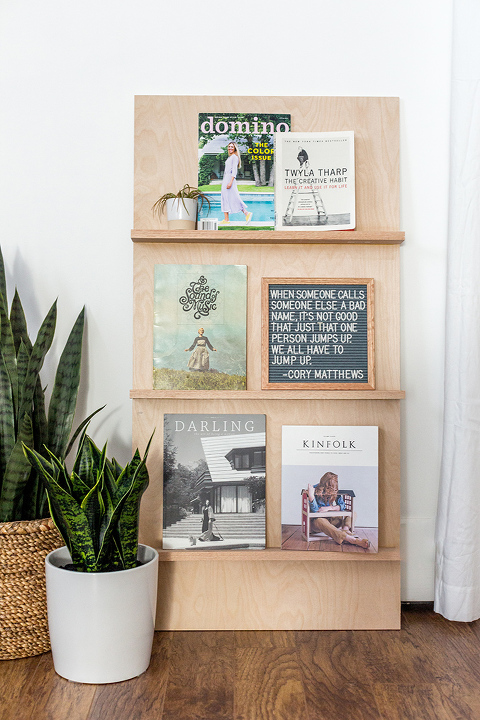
(342,237)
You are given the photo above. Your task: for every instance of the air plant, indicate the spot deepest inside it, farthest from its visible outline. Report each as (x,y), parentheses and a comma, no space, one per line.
(186,192)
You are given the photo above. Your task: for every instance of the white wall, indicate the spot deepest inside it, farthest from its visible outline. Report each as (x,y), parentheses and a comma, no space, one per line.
(69,72)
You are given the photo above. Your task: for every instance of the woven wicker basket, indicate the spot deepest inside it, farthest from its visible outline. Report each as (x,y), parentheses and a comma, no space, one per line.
(23,602)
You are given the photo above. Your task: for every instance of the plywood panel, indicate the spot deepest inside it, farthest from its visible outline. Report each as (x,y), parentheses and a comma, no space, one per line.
(380,262)
(148,414)
(245,592)
(166,146)
(278,596)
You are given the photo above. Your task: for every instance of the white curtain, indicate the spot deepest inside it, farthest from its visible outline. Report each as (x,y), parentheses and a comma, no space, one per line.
(229,499)
(457,584)
(244,499)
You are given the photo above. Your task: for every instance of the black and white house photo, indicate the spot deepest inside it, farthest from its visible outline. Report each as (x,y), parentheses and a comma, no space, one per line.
(214,482)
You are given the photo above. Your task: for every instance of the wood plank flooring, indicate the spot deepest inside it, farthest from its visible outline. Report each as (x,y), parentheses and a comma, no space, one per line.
(428,669)
(292,540)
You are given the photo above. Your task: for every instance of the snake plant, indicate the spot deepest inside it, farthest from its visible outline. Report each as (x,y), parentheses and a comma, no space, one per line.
(96,506)
(23,417)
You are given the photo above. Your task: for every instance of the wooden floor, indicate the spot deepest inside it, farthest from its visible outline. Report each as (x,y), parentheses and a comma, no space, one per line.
(429,669)
(292,540)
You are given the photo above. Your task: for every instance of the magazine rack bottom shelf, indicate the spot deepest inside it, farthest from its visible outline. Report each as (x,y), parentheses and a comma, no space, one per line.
(201,594)
(275,589)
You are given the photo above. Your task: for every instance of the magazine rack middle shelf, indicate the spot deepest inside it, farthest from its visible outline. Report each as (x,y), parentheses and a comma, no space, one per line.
(269,394)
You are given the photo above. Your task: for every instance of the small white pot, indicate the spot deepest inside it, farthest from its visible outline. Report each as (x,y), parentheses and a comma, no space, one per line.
(101,624)
(180,217)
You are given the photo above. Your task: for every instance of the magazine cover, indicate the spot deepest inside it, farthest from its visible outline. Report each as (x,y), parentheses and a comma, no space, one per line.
(199,332)
(214,482)
(235,168)
(330,488)
(315,181)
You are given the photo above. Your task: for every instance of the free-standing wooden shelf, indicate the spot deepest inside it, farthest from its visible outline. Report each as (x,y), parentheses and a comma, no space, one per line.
(274,589)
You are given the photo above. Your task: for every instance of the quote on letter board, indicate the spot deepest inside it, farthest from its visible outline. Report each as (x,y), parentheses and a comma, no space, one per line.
(318,333)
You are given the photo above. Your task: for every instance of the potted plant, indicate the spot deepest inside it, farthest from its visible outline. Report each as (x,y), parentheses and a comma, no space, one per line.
(101,587)
(181,207)
(27,534)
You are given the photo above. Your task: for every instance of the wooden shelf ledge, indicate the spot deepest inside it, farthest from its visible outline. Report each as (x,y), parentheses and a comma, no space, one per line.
(269,237)
(267,394)
(275,554)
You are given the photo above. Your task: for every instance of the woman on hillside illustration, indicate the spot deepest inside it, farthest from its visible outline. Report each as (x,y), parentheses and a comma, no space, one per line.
(199,360)
(231,201)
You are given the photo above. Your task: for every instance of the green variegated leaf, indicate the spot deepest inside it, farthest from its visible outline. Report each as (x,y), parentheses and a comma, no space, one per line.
(79,488)
(98,519)
(34,495)
(109,492)
(80,428)
(60,471)
(69,516)
(19,324)
(116,468)
(93,506)
(3,285)
(125,479)
(45,470)
(64,395)
(8,351)
(129,516)
(39,418)
(133,483)
(21,394)
(84,465)
(76,526)
(55,514)
(7,418)
(39,463)
(39,350)
(109,484)
(16,475)
(23,357)
(108,530)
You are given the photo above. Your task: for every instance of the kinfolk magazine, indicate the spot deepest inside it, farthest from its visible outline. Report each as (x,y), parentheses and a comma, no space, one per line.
(330,488)
(236,168)
(214,482)
(199,332)
(315,181)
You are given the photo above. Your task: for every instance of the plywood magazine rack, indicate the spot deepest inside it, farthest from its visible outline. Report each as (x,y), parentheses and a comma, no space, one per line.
(274,589)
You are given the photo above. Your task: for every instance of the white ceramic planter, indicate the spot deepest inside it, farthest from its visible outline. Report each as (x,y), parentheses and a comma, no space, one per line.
(101,624)
(180,217)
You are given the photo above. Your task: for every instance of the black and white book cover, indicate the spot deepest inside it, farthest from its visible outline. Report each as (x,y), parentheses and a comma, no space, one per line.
(330,488)
(315,181)
(214,482)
